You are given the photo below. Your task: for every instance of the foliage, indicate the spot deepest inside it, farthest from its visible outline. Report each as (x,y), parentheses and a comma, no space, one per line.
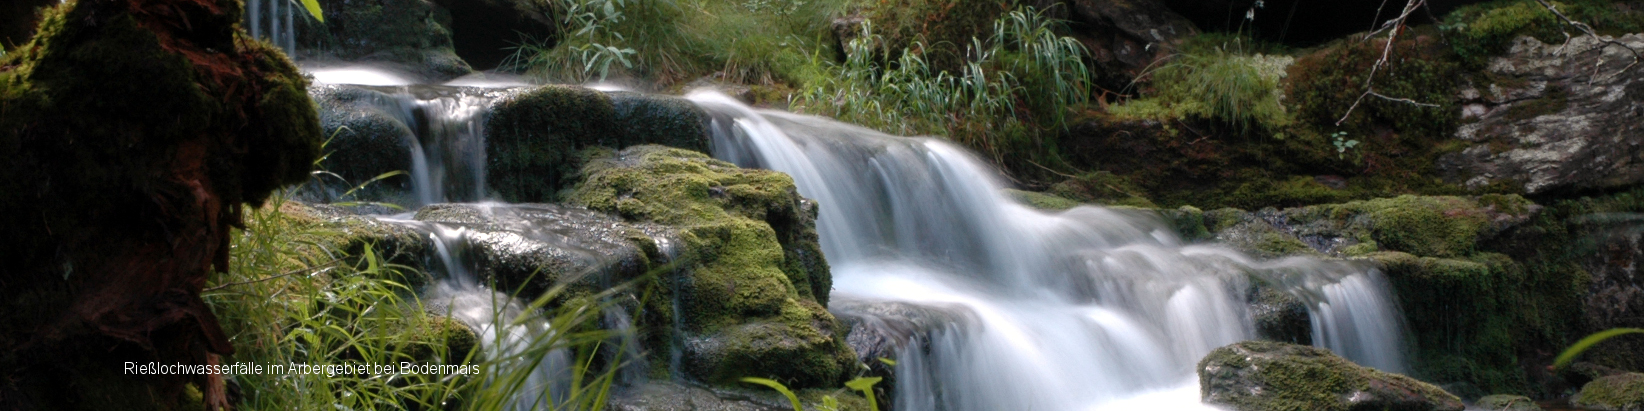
(1013,91)
(829,402)
(1569,354)
(1217,81)
(672,41)
(298,292)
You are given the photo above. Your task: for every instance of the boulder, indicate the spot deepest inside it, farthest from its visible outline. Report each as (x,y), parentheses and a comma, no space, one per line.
(1622,392)
(538,137)
(752,298)
(1506,402)
(1265,375)
(1554,118)
(1279,316)
(412,33)
(886,330)
(369,137)
(533,247)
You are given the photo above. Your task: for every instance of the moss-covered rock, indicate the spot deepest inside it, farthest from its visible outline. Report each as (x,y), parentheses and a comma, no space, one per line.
(133,133)
(1102,187)
(1624,392)
(539,139)
(752,300)
(1507,402)
(1272,376)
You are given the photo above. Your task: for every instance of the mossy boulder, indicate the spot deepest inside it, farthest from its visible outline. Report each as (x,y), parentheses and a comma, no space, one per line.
(1507,402)
(538,139)
(413,33)
(1623,392)
(753,299)
(134,132)
(1273,376)
(367,139)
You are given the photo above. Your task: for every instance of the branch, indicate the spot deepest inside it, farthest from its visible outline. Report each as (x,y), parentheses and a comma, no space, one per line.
(1397,26)
(1589,30)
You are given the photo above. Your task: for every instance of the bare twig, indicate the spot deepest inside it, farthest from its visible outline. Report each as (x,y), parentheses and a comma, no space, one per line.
(1589,30)
(1393,28)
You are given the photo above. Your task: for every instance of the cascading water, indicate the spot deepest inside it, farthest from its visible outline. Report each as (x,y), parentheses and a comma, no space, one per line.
(272,20)
(1091,308)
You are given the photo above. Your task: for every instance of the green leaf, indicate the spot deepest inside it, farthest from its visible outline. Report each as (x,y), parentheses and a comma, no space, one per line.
(1569,354)
(887,361)
(865,385)
(313,7)
(782,389)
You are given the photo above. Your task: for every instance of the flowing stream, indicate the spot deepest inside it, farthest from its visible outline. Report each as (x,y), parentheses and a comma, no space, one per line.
(1086,309)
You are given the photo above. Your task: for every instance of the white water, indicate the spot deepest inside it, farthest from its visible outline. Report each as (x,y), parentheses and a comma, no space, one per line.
(1088,309)
(1091,308)
(271,20)
(506,330)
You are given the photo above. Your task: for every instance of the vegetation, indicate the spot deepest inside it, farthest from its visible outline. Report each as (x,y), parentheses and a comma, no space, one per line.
(1220,78)
(1480,31)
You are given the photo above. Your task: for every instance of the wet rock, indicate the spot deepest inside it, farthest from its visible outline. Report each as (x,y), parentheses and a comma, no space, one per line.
(1280,316)
(751,300)
(1421,225)
(533,247)
(1622,392)
(1265,375)
(366,140)
(672,396)
(884,330)
(1507,402)
(414,33)
(1559,118)
(1614,258)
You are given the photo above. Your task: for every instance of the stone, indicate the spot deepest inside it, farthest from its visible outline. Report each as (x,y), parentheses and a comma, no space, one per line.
(1266,376)
(1621,392)
(1559,118)
(752,299)
(1506,402)
(1126,37)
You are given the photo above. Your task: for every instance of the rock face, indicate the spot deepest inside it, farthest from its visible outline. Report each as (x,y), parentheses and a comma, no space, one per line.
(538,137)
(1126,37)
(752,302)
(1265,376)
(414,33)
(1558,118)
(1624,392)
(133,133)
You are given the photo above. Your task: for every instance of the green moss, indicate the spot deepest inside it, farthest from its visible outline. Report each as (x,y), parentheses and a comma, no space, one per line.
(539,140)
(1429,226)
(1042,201)
(1102,187)
(753,293)
(1274,376)
(1484,30)
(1615,392)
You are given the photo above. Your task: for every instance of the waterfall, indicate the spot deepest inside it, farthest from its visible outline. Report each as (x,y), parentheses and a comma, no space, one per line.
(492,315)
(1084,309)
(274,25)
